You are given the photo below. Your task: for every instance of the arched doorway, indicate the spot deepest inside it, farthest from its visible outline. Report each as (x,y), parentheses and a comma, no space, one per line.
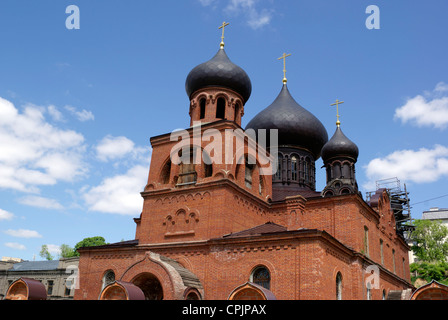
(150,285)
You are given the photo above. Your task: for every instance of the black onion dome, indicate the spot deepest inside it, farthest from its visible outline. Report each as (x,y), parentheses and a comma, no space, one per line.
(340,146)
(219,72)
(296,126)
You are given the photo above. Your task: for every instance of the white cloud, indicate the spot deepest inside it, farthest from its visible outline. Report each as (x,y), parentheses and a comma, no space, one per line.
(82,116)
(23,233)
(111,148)
(16,246)
(5,215)
(54,249)
(55,113)
(430,110)
(34,152)
(41,202)
(421,166)
(256,17)
(119,194)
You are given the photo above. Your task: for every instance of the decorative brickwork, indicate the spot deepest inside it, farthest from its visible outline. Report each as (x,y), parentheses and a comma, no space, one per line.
(205,228)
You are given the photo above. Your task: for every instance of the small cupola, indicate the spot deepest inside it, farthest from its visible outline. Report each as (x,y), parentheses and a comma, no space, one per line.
(339,156)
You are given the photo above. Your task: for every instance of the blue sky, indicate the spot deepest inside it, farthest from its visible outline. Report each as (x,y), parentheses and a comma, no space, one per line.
(77,107)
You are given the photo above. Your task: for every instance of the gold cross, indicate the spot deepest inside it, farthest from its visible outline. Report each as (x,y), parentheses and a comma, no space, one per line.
(224,25)
(338,123)
(284,66)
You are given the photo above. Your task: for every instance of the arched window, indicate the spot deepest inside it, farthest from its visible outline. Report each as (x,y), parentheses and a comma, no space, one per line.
(294,168)
(221,108)
(187,172)
(393,259)
(108,278)
(306,170)
(337,170)
(384,294)
(339,286)
(202,105)
(208,167)
(382,251)
(249,170)
(366,241)
(345,171)
(237,112)
(278,174)
(166,173)
(262,277)
(369,293)
(261,185)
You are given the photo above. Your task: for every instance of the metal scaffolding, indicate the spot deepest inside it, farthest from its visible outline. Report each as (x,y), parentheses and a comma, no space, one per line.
(400,204)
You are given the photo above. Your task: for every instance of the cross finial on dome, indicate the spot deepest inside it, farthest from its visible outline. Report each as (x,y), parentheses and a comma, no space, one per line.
(338,123)
(223,26)
(284,66)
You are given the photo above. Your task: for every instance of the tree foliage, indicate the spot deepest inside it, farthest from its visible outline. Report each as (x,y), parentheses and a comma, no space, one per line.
(90,242)
(430,241)
(68,252)
(430,271)
(44,253)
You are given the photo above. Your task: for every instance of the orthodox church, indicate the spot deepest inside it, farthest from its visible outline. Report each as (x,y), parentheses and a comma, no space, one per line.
(214,230)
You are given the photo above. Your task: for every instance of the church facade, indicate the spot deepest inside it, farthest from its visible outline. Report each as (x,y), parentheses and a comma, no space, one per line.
(217,227)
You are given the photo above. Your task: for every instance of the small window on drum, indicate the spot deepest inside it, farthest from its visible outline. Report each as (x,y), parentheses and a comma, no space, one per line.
(294,168)
(278,174)
(202,105)
(221,109)
(262,277)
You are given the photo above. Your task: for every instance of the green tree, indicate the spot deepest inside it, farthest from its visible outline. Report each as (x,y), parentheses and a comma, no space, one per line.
(430,271)
(44,253)
(430,241)
(89,242)
(67,251)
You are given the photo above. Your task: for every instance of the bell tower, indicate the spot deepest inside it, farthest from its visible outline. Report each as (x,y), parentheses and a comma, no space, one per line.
(218,89)
(199,175)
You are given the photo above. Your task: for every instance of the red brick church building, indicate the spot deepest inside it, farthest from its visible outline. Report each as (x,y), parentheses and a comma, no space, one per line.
(214,230)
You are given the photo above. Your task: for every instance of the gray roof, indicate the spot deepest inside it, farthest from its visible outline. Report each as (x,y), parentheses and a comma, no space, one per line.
(36,265)
(440,214)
